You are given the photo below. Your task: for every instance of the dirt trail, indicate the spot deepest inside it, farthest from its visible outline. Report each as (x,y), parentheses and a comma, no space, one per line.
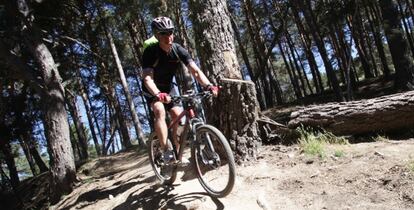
(365,176)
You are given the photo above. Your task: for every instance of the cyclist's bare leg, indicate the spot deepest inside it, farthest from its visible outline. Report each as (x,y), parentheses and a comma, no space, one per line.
(160,125)
(174,113)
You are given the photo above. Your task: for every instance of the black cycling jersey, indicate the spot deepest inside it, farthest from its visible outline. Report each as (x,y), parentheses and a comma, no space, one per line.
(164,64)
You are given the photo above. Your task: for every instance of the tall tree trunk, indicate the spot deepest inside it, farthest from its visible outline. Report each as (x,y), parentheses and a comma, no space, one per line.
(339,53)
(350,67)
(373,23)
(105,129)
(293,81)
(310,19)
(113,99)
(137,124)
(237,103)
(104,76)
(407,29)
(295,61)
(242,49)
(404,68)
(269,56)
(85,97)
(24,138)
(292,73)
(355,27)
(11,164)
(137,43)
(259,57)
(36,156)
(56,126)
(23,132)
(80,128)
(307,42)
(74,144)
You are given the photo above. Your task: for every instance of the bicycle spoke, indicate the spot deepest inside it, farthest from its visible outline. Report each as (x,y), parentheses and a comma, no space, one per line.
(214,162)
(165,173)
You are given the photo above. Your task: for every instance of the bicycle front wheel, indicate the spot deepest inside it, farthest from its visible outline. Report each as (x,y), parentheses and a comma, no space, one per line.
(165,173)
(214,161)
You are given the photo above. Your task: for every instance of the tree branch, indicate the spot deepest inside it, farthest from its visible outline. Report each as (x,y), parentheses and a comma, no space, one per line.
(83,46)
(18,69)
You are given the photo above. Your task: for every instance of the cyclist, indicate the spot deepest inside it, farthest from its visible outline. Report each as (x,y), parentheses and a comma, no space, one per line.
(160,63)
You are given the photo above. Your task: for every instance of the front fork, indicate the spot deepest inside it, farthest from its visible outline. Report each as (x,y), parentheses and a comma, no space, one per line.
(209,156)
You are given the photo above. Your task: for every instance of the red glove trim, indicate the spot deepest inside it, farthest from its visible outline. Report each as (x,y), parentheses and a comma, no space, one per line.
(162,96)
(213,88)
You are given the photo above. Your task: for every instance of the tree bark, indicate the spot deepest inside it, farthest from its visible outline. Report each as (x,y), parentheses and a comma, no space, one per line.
(24,138)
(406,28)
(356,30)
(36,156)
(295,61)
(382,114)
(307,44)
(258,48)
(55,117)
(241,47)
(237,103)
(404,67)
(80,128)
(85,97)
(373,22)
(11,164)
(131,105)
(113,100)
(293,81)
(310,20)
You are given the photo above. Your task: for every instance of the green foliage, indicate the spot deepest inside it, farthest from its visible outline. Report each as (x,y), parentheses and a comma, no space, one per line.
(330,138)
(313,146)
(339,153)
(380,138)
(313,142)
(411,166)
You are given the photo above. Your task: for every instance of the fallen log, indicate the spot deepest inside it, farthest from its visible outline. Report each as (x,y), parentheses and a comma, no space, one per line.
(382,114)
(274,132)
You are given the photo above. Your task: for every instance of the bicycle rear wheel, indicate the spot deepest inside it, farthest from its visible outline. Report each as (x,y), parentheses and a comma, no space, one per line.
(214,161)
(169,174)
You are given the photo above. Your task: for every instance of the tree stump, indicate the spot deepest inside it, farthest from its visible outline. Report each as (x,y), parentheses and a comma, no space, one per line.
(236,112)
(382,114)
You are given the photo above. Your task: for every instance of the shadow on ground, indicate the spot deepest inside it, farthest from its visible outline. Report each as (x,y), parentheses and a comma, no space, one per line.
(92,196)
(160,197)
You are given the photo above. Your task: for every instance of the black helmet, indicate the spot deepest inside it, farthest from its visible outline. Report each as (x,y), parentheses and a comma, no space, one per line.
(162,24)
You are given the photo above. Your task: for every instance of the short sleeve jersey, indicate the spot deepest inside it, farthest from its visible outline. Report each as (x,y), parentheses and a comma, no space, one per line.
(166,66)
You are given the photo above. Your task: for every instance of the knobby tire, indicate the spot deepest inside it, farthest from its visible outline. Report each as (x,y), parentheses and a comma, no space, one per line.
(222,146)
(153,149)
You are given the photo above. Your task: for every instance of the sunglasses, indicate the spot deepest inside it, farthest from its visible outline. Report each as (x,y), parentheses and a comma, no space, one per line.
(165,33)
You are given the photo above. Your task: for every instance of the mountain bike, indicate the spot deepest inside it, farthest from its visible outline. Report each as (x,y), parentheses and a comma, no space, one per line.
(211,154)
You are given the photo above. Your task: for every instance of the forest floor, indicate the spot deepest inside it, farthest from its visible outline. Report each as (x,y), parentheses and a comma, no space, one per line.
(368,175)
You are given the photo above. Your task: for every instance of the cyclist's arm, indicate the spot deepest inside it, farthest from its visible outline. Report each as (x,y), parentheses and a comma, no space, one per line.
(149,59)
(148,76)
(198,74)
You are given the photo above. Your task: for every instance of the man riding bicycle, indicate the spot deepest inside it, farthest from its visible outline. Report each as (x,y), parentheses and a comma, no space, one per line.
(160,64)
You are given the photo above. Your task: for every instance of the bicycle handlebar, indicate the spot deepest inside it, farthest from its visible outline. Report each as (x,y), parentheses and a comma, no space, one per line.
(191,96)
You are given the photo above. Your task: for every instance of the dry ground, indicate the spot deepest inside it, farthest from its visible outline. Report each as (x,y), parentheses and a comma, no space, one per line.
(375,175)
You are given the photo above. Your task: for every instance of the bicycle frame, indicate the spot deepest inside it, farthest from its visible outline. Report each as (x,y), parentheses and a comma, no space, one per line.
(203,140)
(191,123)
